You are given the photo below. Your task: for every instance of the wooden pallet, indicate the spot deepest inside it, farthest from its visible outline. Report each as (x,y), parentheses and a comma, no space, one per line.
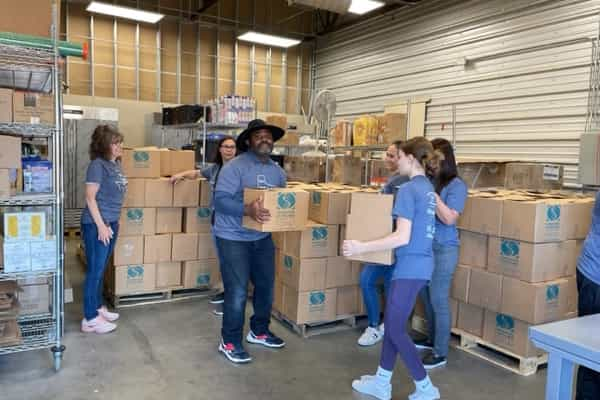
(476,346)
(72,233)
(81,254)
(340,324)
(159,297)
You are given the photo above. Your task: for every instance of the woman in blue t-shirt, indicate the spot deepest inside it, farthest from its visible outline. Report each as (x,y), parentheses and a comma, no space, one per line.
(414,212)
(226,151)
(451,195)
(105,188)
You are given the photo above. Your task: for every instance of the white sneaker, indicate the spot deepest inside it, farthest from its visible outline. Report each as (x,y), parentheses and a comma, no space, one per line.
(382,329)
(370,337)
(432,393)
(97,325)
(369,385)
(107,315)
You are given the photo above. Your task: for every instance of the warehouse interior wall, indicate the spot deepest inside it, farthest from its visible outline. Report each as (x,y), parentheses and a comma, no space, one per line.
(185,59)
(513,76)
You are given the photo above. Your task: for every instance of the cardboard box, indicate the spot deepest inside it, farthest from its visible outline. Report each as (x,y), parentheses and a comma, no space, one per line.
(370,226)
(175,161)
(329,207)
(533,176)
(486,214)
(535,221)
(279,121)
(136,193)
(589,162)
(279,239)
(362,201)
(482,174)
(186,193)
(10,152)
(37,23)
(580,218)
(201,274)
(315,241)
(454,312)
(159,192)
(137,221)
(303,274)
(168,220)
(129,250)
(34,299)
(392,127)
(509,333)
(531,262)
(6,105)
(572,296)
(206,246)
(5,184)
(197,220)
(288,208)
(311,306)
(347,169)
(342,272)
(278,296)
(141,163)
(485,290)
(535,303)
(205,193)
(43,254)
(470,319)
(464,219)
(473,249)
(134,278)
(24,226)
(157,248)
(33,108)
(460,283)
(305,169)
(168,275)
(16,256)
(347,301)
(185,247)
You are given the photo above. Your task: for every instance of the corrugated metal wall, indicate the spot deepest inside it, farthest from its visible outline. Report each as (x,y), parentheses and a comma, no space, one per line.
(517,73)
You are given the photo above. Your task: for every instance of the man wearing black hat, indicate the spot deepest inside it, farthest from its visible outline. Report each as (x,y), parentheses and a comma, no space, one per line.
(247,255)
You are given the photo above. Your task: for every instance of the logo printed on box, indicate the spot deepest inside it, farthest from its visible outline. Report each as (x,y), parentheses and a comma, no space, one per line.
(203,212)
(288,262)
(319,236)
(316,301)
(203,279)
(552,292)
(286,201)
(552,213)
(135,216)
(141,158)
(135,274)
(316,198)
(509,250)
(505,325)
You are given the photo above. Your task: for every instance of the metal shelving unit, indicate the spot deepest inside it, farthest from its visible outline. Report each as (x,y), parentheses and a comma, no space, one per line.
(39,71)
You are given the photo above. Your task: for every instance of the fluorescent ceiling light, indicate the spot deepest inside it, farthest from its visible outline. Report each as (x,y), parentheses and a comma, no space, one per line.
(124,12)
(364,6)
(269,40)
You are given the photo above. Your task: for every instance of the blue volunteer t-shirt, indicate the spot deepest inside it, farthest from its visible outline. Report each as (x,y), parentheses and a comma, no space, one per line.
(415,201)
(111,192)
(454,195)
(393,183)
(210,173)
(589,259)
(244,171)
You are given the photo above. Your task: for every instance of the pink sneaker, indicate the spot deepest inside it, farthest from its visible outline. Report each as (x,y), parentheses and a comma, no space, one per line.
(107,315)
(97,325)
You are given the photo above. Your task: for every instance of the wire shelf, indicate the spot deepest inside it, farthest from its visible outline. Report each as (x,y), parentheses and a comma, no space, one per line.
(28,130)
(25,68)
(12,276)
(37,332)
(380,147)
(42,199)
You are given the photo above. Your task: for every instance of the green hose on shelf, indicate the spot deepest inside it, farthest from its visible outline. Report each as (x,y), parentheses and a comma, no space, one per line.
(65,49)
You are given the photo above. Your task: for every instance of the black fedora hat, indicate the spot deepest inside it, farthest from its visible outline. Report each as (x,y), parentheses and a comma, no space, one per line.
(256,125)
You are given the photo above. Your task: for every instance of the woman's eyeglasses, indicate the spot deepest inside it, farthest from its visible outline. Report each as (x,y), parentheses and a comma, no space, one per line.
(228,147)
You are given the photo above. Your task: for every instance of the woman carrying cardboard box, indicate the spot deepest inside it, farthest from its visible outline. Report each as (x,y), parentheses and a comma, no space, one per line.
(451,195)
(372,274)
(226,151)
(414,212)
(105,188)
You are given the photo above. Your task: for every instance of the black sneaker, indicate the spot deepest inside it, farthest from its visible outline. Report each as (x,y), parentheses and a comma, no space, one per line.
(431,361)
(218,312)
(235,354)
(268,340)
(218,298)
(423,344)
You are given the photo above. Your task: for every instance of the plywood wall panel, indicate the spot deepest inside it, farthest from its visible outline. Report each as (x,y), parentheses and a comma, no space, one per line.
(126,84)
(148,86)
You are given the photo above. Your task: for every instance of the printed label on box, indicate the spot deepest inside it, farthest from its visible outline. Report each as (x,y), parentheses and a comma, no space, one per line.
(552,224)
(320,235)
(505,326)
(316,301)
(288,262)
(135,216)
(203,212)
(316,198)
(286,208)
(509,251)
(135,274)
(141,159)
(551,172)
(203,279)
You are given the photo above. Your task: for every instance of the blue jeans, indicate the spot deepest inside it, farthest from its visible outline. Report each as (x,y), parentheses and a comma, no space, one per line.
(588,381)
(436,295)
(96,255)
(242,262)
(370,276)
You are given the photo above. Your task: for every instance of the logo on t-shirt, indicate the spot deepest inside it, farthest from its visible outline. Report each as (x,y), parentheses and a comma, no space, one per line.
(263,183)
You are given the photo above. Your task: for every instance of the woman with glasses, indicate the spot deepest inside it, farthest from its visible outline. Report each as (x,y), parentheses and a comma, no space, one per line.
(226,152)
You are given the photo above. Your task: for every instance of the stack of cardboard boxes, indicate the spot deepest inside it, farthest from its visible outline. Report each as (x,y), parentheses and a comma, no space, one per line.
(164,237)
(517,267)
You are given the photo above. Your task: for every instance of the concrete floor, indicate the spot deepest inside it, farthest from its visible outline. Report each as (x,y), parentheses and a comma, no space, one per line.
(169,352)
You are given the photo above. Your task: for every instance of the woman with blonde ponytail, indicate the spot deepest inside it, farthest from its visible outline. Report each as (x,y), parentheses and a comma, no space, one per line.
(414,213)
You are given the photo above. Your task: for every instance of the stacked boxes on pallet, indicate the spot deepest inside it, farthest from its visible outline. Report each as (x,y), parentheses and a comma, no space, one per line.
(517,267)
(164,240)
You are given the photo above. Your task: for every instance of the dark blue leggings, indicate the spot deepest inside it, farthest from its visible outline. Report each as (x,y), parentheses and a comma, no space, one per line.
(400,303)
